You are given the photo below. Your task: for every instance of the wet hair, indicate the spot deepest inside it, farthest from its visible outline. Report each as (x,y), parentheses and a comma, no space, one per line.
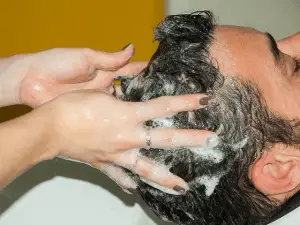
(220,189)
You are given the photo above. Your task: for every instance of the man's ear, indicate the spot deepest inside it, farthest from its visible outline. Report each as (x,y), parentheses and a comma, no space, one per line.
(276,174)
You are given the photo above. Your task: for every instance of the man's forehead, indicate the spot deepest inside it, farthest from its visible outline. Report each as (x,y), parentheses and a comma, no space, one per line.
(251,56)
(242,50)
(242,39)
(237,31)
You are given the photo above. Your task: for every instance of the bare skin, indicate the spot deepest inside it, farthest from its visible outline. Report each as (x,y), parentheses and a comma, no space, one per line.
(247,54)
(77,118)
(21,149)
(34,79)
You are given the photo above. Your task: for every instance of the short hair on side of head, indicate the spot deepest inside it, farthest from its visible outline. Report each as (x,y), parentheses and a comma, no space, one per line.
(220,189)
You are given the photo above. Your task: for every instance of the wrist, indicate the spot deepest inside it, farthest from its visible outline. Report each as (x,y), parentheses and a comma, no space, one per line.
(42,132)
(25,142)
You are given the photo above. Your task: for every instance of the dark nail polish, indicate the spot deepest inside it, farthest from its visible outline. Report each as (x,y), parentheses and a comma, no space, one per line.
(205,100)
(179,189)
(126,47)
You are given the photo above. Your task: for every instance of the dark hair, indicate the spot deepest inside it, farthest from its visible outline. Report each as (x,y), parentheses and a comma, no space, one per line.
(237,113)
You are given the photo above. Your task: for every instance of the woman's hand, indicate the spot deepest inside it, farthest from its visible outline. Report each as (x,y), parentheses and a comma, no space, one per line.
(34,79)
(291,45)
(96,128)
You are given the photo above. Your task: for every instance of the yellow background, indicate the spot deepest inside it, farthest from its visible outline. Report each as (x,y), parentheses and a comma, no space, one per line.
(36,25)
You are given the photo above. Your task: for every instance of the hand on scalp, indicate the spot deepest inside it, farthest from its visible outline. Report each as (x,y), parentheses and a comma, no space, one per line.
(96,128)
(291,45)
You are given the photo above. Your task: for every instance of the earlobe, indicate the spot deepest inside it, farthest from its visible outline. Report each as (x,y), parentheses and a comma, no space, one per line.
(275,174)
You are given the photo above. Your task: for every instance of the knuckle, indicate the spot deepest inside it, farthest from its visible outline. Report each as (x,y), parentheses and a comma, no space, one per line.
(166,102)
(143,171)
(122,143)
(169,138)
(104,157)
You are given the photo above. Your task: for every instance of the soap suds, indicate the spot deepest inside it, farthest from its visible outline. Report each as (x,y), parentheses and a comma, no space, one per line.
(146,97)
(191,117)
(165,122)
(212,141)
(214,155)
(210,183)
(209,150)
(192,85)
(113,172)
(164,218)
(183,78)
(240,144)
(169,88)
(119,176)
(190,215)
(220,129)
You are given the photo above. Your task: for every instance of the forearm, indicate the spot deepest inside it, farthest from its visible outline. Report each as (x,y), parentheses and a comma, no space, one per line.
(11,72)
(24,142)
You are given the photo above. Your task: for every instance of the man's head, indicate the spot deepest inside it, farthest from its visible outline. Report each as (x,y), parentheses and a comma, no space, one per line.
(254,110)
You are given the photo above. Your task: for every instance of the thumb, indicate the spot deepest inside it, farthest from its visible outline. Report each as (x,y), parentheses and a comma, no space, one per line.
(290,45)
(112,61)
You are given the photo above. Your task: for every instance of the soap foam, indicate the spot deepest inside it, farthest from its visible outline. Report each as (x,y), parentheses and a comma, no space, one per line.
(190,215)
(169,88)
(205,153)
(210,183)
(165,122)
(240,144)
(191,117)
(209,151)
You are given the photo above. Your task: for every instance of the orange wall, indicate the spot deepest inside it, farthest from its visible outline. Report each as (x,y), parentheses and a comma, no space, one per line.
(35,25)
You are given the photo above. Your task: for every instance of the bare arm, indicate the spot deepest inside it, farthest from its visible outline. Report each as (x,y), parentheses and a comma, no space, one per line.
(76,129)
(24,142)
(88,126)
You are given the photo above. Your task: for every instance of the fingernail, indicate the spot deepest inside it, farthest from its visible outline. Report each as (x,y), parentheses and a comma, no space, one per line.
(164,189)
(212,141)
(179,189)
(205,100)
(123,49)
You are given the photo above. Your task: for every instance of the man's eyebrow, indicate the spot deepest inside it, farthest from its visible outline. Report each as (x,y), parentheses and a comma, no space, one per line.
(273,47)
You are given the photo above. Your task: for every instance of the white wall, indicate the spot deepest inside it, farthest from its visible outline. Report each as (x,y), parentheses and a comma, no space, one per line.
(279,17)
